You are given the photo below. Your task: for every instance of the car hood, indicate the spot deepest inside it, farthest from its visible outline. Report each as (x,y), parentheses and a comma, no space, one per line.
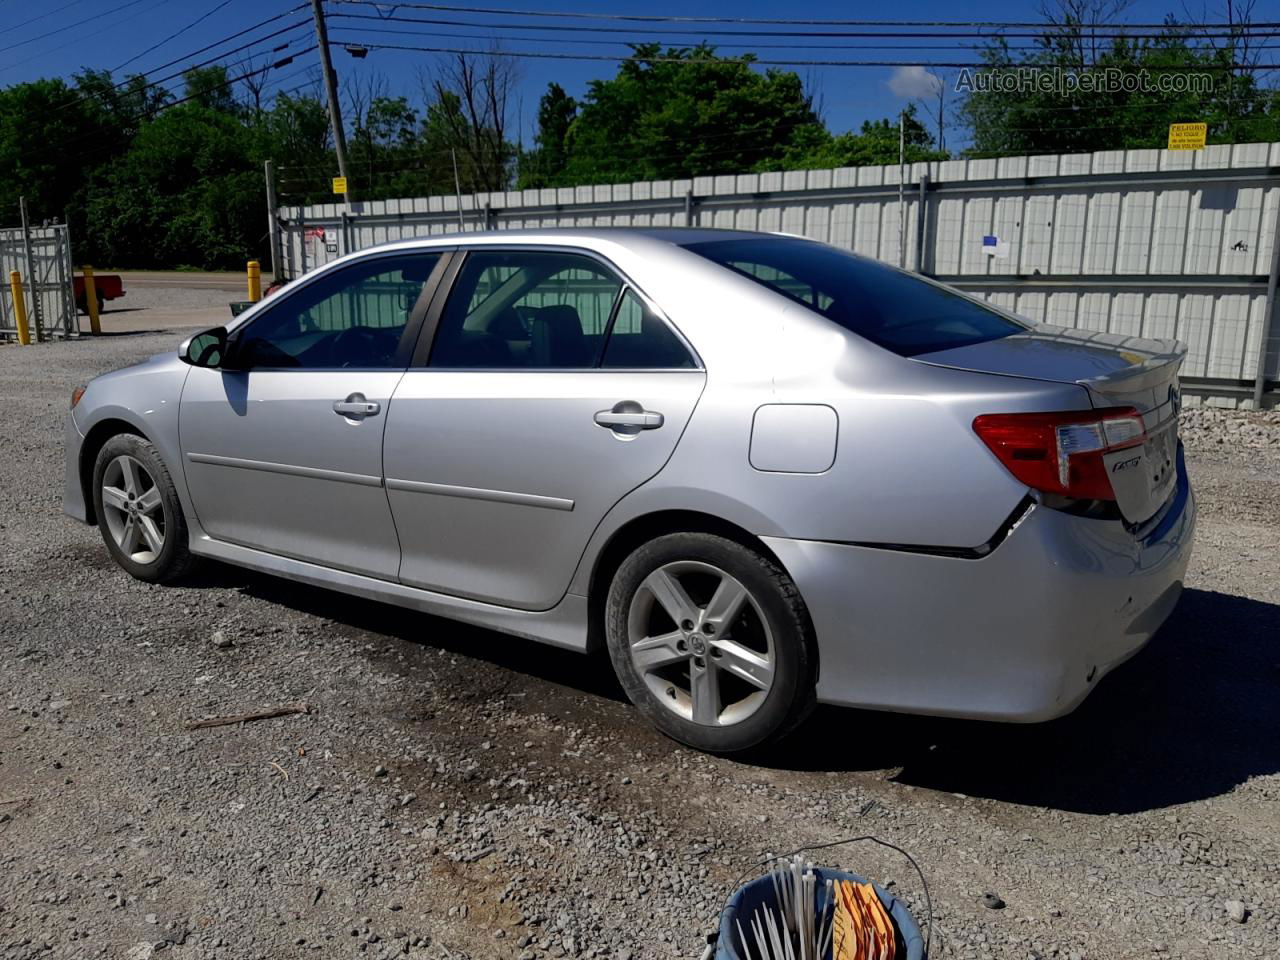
(159,362)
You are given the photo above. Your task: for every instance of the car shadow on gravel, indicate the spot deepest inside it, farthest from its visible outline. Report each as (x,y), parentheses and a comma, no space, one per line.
(1193,715)
(523,659)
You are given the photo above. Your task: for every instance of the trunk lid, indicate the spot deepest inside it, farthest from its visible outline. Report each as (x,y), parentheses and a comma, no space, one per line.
(1116,371)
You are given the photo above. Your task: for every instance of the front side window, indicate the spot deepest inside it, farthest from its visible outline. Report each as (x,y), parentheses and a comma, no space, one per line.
(526,309)
(895,310)
(353,317)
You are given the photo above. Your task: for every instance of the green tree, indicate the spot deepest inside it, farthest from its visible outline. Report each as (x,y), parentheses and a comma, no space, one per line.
(385,150)
(876,144)
(1075,115)
(684,113)
(210,87)
(51,138)
(545,163)
(188,192)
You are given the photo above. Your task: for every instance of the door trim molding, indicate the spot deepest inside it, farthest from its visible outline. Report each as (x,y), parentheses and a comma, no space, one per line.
(562,625)
(288,469)
(479,493)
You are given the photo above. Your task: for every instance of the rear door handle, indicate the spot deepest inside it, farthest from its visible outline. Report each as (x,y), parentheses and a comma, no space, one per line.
(356,407)
(628,417)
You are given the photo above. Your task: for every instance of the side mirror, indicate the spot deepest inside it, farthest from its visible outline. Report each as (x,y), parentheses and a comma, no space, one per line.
(208,349)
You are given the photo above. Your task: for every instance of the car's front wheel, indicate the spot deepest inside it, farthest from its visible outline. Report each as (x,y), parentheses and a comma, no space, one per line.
(138,510)
(711,641)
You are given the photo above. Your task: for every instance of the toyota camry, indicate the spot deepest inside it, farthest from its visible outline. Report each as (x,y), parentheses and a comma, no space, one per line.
(761,472)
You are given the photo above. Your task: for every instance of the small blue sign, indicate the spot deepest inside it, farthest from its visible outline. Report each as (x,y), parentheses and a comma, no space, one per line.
(989,241)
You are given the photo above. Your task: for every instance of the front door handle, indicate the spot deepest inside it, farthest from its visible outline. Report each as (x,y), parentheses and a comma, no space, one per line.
(356,407)
(628,418)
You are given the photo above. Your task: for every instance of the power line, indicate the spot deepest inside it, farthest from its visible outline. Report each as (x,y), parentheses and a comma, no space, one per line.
(96,16)
(558,29)
(651,18)
(228,39)
(103,150)
(289,76)
(751,46)
(172,36)
(541,55)
(160,108)
(44,16)
(47,50)
(195,66)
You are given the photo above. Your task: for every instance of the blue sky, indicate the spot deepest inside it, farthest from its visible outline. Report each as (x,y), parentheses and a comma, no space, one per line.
(115,34)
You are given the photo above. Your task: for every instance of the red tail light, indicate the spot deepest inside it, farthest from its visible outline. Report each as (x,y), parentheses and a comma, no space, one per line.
(1062,453)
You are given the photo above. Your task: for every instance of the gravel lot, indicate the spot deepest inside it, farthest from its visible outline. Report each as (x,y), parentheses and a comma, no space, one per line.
(455,793)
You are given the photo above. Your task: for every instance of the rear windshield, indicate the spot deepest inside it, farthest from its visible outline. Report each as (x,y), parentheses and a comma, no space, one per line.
(896,310)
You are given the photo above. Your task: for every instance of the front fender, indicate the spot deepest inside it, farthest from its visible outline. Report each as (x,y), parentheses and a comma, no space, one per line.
(73,492)
(143,400)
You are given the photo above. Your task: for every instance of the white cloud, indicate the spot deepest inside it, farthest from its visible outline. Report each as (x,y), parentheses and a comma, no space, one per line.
(912,82)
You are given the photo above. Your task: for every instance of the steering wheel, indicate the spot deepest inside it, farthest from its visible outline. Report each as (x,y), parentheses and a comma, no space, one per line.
(365,342)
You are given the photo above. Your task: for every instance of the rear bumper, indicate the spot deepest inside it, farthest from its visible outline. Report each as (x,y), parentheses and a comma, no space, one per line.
(1022,634)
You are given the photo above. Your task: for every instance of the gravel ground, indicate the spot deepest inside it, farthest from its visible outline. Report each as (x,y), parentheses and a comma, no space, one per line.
(158,301)
(454,793)
(173,290)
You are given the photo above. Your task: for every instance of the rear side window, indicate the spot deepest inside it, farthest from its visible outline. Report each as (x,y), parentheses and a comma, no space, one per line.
(895,310)
(526,309)
(640,340)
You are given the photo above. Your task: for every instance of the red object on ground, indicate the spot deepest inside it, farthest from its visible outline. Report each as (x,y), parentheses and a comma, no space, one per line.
(109,286)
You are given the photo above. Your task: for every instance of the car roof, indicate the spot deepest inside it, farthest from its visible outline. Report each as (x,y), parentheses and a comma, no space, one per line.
(638,237)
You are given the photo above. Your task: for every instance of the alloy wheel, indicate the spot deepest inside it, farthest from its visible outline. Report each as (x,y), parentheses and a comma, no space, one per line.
(132,509)
(701,643)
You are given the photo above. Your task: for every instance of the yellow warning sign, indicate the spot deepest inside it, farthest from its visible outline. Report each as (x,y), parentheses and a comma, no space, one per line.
(340,183)
(1187,136)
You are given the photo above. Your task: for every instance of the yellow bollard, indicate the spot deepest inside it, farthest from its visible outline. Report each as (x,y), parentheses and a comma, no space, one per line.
(255,281)
(19,307)
(91,299)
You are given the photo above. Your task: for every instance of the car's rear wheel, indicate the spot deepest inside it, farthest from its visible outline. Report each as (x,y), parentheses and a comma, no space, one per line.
(138,510)
(711,640)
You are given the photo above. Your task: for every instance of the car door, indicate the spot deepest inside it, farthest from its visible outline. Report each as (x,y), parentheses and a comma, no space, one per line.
(283,446)
(552,388)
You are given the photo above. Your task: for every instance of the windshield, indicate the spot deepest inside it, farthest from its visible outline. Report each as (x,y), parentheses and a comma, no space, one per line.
(895,310)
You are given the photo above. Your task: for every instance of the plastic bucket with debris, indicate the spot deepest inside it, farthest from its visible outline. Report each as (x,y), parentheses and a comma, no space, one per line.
(750,897)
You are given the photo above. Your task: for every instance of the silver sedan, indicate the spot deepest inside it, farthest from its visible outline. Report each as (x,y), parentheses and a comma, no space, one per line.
(760,471)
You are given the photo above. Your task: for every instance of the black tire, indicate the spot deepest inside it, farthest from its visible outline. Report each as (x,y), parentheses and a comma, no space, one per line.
(82,304)
(174,559)
(789,698)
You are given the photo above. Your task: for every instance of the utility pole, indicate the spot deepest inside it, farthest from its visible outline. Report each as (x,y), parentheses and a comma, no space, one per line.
(902,177)
(273,224)
(33,282)
(457,187)
(331,91)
